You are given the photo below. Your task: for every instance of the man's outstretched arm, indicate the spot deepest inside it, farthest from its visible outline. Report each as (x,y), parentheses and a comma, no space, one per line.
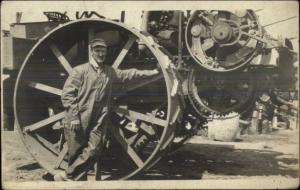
(129,74)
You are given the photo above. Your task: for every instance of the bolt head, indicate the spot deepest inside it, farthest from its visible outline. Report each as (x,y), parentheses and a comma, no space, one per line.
(196,30)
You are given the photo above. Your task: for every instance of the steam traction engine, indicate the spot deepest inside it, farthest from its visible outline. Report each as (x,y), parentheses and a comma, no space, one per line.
(210,61)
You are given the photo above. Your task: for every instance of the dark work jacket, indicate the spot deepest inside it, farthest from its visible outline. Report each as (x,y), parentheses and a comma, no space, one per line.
(87,94)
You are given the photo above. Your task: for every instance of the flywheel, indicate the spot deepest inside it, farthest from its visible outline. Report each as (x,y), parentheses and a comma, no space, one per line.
(223,41)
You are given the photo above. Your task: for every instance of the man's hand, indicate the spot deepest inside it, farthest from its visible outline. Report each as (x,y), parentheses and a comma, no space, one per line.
(75,125)
(155,71)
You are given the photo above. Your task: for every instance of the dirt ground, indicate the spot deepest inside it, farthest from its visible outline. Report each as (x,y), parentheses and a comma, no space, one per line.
(253,157)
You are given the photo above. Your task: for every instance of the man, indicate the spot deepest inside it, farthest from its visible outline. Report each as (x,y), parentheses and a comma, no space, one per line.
(86,97)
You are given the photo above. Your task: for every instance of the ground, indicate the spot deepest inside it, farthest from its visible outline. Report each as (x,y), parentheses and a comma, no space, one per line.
(274,155)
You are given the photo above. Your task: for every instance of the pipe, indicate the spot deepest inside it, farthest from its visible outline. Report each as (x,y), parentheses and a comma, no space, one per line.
(279,21)
(122,16)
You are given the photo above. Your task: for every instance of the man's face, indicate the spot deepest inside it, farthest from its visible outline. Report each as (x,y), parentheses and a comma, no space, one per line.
(99,54)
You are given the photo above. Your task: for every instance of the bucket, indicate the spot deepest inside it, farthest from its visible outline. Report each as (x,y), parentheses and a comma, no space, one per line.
(224,128)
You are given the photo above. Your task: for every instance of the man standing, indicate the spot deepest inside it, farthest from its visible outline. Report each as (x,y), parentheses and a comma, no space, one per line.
(86,97)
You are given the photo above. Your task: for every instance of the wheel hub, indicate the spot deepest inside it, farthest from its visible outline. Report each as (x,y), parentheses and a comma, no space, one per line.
(222,32)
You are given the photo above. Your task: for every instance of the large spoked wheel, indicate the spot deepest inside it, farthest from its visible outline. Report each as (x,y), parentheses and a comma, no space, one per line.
(145,111)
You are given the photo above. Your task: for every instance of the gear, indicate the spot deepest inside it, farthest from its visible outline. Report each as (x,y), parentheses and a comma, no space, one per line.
(220,93)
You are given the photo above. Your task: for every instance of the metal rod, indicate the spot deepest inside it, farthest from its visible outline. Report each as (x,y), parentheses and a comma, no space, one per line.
(258,10)
(180,40)
(280,21)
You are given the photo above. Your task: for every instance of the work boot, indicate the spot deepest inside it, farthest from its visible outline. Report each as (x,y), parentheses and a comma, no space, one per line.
(61,176)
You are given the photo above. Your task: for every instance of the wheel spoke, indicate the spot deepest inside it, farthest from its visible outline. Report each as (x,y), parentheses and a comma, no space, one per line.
(44,122)
(63,61)
(208,44)
(132,154)
(44,88)
(91,34)
(61,156)
(133,115)
(124,52)
(197,49)
(46,143)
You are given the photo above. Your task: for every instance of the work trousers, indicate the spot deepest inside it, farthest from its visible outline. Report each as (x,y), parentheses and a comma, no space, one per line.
(84,149)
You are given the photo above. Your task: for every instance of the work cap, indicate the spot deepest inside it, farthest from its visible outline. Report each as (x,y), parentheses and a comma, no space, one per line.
(98,42)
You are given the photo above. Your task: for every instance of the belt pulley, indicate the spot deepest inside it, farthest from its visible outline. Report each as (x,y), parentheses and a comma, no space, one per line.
(222,41)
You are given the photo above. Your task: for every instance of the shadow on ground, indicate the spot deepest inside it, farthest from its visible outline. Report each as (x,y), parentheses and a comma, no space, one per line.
(31,166)
(193,160)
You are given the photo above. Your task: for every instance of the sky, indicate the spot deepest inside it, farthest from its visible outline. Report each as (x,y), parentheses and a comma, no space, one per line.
(270,11)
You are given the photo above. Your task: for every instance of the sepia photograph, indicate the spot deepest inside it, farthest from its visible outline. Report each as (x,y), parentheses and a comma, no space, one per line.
(149,95)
